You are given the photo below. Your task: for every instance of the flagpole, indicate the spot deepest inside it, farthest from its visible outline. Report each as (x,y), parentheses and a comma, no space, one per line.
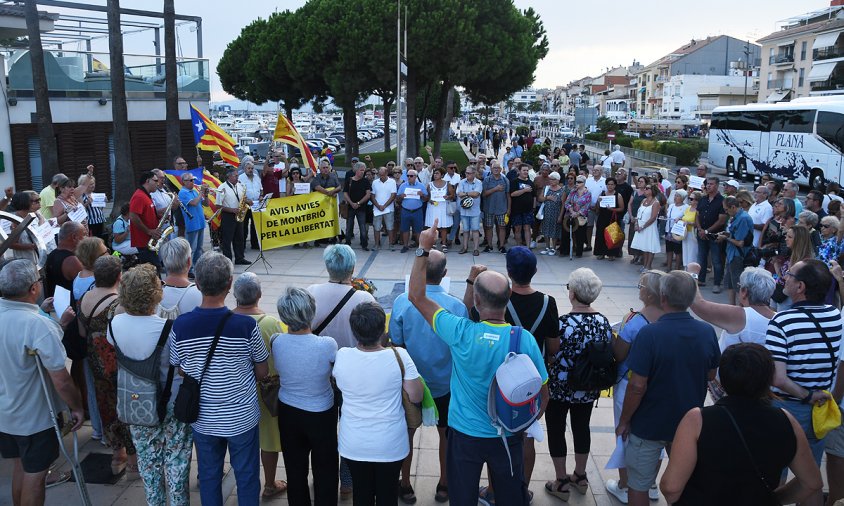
(399,162)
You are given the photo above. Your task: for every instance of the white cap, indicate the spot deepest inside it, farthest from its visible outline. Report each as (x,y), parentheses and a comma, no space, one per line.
(733,183)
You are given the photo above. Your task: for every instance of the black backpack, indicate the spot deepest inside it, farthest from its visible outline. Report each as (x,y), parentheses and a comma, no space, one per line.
(595,368)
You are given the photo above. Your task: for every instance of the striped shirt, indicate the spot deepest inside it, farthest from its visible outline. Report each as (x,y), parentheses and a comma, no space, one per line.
(794,339)
(228,401)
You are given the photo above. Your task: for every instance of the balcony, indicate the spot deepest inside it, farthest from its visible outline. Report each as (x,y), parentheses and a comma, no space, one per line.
(779,59)
(827,53)
(780,84)
(833,83)
(86,74)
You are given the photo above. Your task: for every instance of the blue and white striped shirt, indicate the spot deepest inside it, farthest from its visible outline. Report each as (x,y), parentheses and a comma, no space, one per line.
(228,401)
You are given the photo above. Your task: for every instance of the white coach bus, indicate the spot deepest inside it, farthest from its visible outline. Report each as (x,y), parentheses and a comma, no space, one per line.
(802,140)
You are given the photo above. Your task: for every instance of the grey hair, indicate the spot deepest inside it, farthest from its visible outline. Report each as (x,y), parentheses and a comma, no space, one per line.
(213,273)
(68,229)
(435,270)
(681,193)
(650,280)
(791,185)
(339,261)
(368,321)
(17,277)
(247,159)
(83,179)
(585,284)
(763,189)
(247,289)
(175,255)
(107,269)
(760,285)
(58,179)
(831,221)
(296,308)
(679,289)
(359,165)
(809,218)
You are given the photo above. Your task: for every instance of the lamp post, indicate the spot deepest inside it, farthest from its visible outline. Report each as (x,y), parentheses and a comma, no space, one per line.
(747,67)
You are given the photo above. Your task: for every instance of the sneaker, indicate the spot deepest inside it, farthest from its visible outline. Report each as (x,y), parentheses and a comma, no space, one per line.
(716,289)
(487,249)
(404,249)
(653,493)
(544,252)
(616,491)
(502,249)
(532,244)
(552,253)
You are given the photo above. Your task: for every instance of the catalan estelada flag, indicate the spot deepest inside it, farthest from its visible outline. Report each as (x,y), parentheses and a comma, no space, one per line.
(287,133)
(210,137)
(203,176)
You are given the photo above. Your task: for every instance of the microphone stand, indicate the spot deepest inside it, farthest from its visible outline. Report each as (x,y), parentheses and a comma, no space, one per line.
(260,226)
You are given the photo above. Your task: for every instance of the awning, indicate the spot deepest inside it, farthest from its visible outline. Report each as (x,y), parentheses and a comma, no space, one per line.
(821,71)
(777,96)
(785,43)
(825,40)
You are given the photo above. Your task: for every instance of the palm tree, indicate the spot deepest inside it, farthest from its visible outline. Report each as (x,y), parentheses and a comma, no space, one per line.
(44,118)
(123,171)
(171,92)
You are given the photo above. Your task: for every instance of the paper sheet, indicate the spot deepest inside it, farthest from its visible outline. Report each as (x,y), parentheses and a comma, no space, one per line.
(61,300)
(607,201)
(301,188)
(696,182)
(79,214)
(617,458)
(98,200)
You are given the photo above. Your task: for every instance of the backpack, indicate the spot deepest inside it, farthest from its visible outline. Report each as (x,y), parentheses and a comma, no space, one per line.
(513,399)
(141,400)
(171,313)
(595,368)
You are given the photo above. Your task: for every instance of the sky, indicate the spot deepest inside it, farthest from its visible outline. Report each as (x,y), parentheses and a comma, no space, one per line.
(584,38)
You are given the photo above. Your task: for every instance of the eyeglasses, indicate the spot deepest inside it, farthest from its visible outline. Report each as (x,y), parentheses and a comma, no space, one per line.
(35,201)
(452,167)
(568,287)
(640,286)
(181,163)
(692,199)
(411,175)
(824,225)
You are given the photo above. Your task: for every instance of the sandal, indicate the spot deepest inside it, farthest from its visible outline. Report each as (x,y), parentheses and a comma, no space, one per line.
(556,489)
(277,488)
(406,494)
(445,249)
(486,496)
(464,251)
(442,493)
(475,253)
(580,482)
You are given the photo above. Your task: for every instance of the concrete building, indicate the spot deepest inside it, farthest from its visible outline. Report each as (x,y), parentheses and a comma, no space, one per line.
(804,57)
(682,95)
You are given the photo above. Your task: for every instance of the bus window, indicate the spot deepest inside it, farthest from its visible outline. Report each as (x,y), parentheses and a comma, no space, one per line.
(719,120)
(831,128)
(792,121)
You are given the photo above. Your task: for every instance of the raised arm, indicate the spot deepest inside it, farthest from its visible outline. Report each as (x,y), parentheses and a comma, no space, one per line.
(728,317)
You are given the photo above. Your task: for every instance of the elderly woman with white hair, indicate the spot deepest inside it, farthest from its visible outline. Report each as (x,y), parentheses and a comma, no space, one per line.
(747,322)
(307,421)
(809,220)
(247,294)
(180,294)
(674,243)
(577,328)
(830,245)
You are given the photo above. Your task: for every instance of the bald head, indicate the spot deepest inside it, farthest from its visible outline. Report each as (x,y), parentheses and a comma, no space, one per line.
(492,291)
(435,271)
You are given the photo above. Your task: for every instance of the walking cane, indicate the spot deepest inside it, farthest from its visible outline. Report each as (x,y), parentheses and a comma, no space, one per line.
(74,462)
(571,243)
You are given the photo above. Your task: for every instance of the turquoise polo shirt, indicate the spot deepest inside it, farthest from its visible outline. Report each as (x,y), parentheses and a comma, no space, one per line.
(477,349)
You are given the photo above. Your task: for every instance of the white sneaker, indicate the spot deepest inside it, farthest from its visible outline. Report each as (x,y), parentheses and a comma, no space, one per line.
(653,493)
(532,244)
(544,252)
(616,491)
(551,253)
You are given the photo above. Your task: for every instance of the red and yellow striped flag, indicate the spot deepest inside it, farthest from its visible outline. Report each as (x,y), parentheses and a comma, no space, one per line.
(287,133)
(209,137)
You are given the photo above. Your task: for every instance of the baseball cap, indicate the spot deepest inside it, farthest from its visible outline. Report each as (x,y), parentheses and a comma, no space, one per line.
(733,183)
(543,157)
(521,264)
(355,159)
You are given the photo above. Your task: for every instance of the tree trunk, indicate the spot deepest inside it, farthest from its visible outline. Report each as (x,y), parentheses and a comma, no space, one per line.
(124,173)
(411,146)
(421,124)
(387,100)
(449,115)
(288,112)
(350,127)
(439,124)
(44,117)
(171,93)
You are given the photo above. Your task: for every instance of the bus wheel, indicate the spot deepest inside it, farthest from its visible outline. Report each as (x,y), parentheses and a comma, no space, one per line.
(816,180)
(742,170)
(731,168)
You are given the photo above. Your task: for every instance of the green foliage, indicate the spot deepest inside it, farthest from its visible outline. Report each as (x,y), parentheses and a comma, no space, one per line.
(687,153)
(522,130)
(625,141)
(448,150)
(596,136)
(605,124)
(531,156)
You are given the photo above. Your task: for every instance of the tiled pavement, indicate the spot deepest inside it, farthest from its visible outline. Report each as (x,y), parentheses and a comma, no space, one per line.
(303,267)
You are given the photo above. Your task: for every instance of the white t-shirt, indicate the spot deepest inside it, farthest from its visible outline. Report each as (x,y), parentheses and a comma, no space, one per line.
(760,213)
(137,336)
(606,162)
(381,192)
(453,179)
(187,298)
(373,426)
(618,157)
(327,295)
(829,198)
(596,188)
(666,186)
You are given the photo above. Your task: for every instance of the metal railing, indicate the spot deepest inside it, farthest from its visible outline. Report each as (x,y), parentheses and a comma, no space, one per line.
(781,58)
(638,154)
(827,53)
(778,84)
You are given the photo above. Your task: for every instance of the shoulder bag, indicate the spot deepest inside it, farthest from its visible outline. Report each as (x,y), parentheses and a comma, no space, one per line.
(186,408)
(768,489)
(334,311)
(270,385)
(412,412)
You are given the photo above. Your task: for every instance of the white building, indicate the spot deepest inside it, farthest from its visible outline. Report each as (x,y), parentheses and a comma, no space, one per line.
(681,94)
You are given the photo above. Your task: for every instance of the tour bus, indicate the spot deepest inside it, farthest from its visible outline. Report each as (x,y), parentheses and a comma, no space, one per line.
(801,140)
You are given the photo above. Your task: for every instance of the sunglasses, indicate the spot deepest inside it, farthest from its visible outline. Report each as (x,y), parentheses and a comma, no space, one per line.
(411,175)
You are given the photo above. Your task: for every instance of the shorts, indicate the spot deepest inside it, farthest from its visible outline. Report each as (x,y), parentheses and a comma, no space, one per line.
(470,223)
(388,220)
(494,219)
(442,410)
(411,218)
(673,247)
(591,218)
(733,272)
(641,459)
(802,413)
(833,442)
(520,219)
(36,451)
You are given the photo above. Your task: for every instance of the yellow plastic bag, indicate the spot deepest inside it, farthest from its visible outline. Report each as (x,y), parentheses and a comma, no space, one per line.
(825,417)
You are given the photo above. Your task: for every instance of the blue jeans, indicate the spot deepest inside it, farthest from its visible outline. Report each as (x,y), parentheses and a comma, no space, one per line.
(466,456)
(244,455)
(195,240)
(93,410)
(706,247)
(803,414)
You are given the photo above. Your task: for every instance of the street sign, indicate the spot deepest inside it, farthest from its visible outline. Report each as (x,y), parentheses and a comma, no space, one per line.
(610,135)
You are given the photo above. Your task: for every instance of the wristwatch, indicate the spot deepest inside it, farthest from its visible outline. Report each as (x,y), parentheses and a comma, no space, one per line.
(422,253)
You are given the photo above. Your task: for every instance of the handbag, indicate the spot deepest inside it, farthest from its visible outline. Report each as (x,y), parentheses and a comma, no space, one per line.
(269,386)
(770,490)
(344,209)
(412,412)
(827,416)
(540,214)
(186,407)
(613,235)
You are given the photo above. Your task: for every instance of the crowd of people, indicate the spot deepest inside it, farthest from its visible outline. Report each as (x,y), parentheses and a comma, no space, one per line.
(346,376)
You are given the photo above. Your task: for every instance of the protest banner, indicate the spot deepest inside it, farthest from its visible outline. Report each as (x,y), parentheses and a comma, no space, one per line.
(297,219)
